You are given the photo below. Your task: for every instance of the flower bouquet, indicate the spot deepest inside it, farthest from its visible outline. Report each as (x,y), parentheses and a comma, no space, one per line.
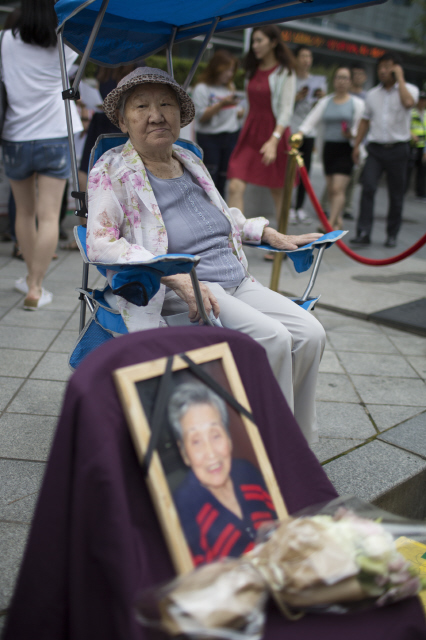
(335,560)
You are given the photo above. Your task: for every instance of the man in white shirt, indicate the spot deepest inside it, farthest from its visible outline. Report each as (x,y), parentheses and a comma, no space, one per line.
(387,121)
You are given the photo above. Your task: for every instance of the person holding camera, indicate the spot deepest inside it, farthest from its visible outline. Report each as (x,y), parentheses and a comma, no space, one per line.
(386,119)
(218,115)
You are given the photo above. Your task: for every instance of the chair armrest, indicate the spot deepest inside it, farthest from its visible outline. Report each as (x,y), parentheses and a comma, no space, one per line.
(138,282)
(303,256)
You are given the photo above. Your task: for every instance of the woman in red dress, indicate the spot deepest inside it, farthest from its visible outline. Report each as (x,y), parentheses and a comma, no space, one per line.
(259,157)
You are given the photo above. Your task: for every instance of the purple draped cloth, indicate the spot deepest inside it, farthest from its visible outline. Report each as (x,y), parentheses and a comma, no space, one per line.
(95,541)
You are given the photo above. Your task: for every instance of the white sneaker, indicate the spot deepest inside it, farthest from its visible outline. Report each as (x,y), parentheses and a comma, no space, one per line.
(303,216)
(32,305)
(21,286)
(292,218)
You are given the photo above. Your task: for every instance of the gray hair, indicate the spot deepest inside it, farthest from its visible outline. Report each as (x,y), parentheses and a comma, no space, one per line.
(121,106)
(189,394)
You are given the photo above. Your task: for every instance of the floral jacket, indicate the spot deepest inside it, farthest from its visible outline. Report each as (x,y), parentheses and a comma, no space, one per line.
(125,224)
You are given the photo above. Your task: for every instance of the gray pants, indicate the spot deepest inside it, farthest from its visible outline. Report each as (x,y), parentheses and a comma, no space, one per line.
(393,160)
(293,340)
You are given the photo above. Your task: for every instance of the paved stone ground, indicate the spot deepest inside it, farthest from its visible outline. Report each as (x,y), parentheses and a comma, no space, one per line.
(371,389)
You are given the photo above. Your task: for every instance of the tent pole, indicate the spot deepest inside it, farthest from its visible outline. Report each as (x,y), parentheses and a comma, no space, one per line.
(74,168)
(169,53)
(89,45)
(247,39)
(200,54)
(66,86)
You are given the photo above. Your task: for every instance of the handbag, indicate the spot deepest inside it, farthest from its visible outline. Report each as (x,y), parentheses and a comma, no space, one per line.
(3,94)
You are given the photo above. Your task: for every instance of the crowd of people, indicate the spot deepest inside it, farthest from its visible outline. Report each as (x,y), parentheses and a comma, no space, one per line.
(357,134)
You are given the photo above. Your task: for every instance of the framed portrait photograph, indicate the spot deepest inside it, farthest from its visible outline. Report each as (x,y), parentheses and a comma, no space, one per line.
(206,467)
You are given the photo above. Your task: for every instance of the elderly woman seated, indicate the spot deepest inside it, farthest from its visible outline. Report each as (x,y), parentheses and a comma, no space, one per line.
(149,198)
(223,500)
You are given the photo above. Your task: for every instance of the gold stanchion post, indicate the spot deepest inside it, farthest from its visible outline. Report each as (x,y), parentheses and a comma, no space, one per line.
(294,159)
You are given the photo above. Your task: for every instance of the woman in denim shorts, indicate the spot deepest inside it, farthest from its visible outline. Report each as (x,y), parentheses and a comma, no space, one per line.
(34,139)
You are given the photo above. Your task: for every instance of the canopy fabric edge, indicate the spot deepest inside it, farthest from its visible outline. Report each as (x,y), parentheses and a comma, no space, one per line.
(116,64)
(199,31)
(84,5)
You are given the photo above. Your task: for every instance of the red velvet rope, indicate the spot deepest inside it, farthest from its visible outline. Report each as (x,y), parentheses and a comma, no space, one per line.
(323,218)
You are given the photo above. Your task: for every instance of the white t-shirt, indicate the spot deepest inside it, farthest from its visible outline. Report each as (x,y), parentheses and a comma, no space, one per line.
(226,121)
(303,107)
(32,76)
(389,119)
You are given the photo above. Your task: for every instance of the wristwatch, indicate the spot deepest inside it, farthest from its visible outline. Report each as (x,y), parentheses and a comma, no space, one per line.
(277,135)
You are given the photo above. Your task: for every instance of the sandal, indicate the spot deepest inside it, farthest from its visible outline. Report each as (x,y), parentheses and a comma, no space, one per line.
(21,286)
(269,256)
(17,253)
(71,246)
(32,304)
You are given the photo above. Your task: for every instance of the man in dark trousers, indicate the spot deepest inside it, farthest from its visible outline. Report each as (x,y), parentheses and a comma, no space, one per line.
(387,121)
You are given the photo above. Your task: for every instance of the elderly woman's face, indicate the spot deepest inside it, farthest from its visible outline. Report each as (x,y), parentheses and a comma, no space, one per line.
(207,448)
(151,117)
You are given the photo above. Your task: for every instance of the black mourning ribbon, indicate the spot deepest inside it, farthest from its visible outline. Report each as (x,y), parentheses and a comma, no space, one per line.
(158,413)
(162,396)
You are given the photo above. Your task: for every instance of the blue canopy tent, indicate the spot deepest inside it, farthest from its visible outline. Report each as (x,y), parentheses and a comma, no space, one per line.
(131,29)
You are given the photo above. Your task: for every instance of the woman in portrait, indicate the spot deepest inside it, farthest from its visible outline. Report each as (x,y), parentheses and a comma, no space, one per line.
(223,500)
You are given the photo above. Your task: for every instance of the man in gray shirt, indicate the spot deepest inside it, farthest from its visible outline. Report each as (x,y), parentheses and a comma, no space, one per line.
(387,121)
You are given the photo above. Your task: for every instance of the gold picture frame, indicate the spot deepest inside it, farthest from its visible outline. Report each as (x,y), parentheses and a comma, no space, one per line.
(137,386)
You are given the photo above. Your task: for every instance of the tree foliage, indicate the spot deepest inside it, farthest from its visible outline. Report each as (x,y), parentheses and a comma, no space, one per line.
(417,33)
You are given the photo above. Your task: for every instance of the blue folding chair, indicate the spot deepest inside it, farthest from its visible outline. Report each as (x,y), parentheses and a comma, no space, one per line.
(139,283)
(302,259)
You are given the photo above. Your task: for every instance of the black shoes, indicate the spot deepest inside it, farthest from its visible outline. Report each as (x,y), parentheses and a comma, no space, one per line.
(362,239)
(391,242)
(348,215)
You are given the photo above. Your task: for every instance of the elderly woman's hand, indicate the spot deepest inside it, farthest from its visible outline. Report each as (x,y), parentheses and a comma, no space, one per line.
(182,286)
(280,241)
